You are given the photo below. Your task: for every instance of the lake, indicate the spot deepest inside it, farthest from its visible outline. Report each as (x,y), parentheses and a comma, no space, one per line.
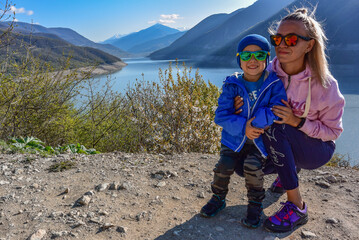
(347,144)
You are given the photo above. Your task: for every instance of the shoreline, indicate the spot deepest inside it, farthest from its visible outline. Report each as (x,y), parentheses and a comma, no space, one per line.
(104,69)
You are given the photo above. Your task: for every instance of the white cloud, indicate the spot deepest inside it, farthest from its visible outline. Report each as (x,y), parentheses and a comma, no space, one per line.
(170,16)
(21,10)
(166,19)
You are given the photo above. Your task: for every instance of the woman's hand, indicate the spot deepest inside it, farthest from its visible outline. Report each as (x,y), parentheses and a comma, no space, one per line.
(253,132)
(286,114)
(238,103)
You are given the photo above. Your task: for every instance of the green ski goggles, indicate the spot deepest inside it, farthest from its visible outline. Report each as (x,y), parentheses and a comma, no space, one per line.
(259,55)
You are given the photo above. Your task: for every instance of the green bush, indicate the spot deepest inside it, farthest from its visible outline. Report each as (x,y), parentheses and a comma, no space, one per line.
(174,115)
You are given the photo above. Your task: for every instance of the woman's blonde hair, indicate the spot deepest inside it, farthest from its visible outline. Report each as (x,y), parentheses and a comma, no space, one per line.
(316,58)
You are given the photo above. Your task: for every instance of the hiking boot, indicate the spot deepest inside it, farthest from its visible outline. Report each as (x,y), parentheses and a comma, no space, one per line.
(287,218)
(214,205)
(277,186)
(254,212)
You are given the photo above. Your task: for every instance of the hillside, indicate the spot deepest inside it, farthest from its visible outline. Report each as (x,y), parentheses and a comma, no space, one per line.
(337,17)
(155,44)
(149,196)
(66,34)
(227,27)
(53,50)
(154,32)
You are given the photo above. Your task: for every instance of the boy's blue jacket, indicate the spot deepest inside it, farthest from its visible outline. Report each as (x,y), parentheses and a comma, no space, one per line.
(234,125)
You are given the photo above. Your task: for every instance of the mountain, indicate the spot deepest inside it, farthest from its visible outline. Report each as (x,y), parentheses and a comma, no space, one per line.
(113,38)
(217,30)
(66,34)
(154,32)
(155,44)
(337,17)
(53,50)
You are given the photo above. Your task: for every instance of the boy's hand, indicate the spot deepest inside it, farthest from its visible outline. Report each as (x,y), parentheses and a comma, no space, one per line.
(238,103)
(253,132)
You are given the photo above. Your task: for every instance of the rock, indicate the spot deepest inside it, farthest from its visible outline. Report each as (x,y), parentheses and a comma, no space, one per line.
(90,214)
(66,191)
(84,200)
(97,220)
(101,187)
(124,186)
(331,179)
(176,233)
(57,214)
(90,193)
(122,229)
(38,235)
(161,184)
(307,234)
(106,226)
(271,238)
(323,184)
(59,234)
(332,220)
(3,182)
(201,195)
(78,224)
(34,186)
(103,213)
(219,229)
(113,186)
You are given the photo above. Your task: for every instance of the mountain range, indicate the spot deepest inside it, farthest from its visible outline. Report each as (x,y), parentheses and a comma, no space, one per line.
(66,34)
(146,41)
(219,29)
(50,48)
(338,19)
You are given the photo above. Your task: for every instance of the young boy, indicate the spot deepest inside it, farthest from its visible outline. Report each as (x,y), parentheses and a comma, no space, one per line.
(242,148)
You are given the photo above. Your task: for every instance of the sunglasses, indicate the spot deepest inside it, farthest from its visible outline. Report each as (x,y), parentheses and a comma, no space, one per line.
(290,39)
(259,55)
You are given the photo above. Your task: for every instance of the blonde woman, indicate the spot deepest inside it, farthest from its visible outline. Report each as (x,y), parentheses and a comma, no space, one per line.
(310,120)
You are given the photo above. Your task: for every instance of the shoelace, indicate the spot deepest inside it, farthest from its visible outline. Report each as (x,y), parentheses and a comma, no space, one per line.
(285,212)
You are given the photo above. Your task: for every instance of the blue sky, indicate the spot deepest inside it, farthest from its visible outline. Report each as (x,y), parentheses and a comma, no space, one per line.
(99,20)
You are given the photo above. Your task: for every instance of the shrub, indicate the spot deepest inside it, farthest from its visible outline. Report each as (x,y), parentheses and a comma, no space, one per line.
(174,115)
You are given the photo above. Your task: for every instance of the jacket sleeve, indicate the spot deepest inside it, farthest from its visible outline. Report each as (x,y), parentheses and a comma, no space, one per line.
(232,123)
(328,126)
(264,115)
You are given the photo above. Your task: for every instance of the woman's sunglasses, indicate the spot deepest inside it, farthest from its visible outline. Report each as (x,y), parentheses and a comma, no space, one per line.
(259,55)
(290,39)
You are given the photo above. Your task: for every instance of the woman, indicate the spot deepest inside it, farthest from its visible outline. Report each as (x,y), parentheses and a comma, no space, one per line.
(312,117)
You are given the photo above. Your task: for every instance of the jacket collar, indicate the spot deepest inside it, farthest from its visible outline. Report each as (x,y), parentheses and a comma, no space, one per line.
(277,68)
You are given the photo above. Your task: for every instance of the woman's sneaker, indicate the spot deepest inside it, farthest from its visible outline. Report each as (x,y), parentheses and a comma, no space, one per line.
(214,205)
(277,186)
(254,212)
(287,218)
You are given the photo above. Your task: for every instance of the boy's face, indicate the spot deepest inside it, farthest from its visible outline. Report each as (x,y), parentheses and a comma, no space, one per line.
(253,68)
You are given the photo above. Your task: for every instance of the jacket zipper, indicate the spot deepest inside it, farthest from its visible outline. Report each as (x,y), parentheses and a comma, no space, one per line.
(288,82)
(253,109)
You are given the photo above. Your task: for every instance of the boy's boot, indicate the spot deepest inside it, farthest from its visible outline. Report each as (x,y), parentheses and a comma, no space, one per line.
(213,206)
(254,212)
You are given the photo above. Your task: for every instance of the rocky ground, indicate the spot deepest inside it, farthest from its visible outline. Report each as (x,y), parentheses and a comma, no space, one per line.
(143,196)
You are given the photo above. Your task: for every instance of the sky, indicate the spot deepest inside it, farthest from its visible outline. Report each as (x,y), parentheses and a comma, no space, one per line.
(99,20)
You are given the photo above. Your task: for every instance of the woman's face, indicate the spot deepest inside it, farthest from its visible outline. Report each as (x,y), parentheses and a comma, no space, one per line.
(293,54)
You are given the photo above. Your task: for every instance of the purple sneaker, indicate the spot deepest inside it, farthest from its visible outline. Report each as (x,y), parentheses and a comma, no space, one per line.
(287,218)
(277,186)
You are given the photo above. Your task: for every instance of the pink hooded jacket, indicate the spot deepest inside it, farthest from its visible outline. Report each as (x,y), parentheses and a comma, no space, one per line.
(324,119)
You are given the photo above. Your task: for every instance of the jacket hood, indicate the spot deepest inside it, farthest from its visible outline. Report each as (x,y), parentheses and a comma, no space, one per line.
(277,68)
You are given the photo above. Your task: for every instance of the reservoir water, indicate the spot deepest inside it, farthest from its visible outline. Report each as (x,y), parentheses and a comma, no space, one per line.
(347,144)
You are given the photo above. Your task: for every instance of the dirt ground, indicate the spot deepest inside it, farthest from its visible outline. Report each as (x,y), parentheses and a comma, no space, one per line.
(144,196)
